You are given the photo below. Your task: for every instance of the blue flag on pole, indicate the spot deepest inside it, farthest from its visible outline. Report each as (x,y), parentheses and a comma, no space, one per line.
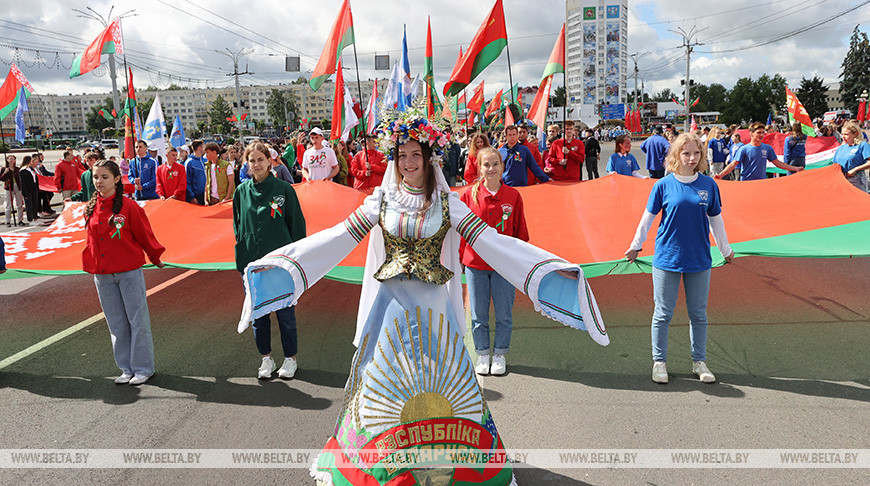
(404,96)
(177,138)
(19,115)
(768,118)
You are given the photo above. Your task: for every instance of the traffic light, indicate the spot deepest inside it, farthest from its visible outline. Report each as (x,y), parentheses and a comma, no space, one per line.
(683,82)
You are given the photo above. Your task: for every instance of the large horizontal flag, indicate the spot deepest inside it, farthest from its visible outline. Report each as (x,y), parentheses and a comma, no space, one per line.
(820,150)
(797,112)
(556,62)
(110,41)
(11,89)
(835,225)
(340,36)
(486,46)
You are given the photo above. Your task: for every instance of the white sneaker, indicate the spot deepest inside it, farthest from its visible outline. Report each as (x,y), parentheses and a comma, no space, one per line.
(700,368)
(498,365)
(139,379)
(660,372)
(266,368)
(123,379)
(482,366)
(288,369)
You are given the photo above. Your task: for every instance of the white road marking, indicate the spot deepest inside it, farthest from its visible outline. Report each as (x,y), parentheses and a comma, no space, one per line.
(81,325)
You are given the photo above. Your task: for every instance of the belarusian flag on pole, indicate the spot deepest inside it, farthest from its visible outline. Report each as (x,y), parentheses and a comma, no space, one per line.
(109,41)
(343,116)
(797,112)
(433,104)
(486,46)
(495,104)
(475,104)
(11,90)
(556,63)
(340,37)
(129,118)
(538,111)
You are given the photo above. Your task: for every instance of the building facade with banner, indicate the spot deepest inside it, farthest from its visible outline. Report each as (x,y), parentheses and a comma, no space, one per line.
(597,55)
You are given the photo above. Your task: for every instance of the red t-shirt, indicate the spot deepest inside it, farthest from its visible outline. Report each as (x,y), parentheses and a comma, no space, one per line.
(536,153)
(570,172)
(505,206)
(67,176)
(358,169)
(470,169)
(118,246)
(172,181)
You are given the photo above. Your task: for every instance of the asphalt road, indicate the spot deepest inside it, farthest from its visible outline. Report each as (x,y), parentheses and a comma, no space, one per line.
(788,343)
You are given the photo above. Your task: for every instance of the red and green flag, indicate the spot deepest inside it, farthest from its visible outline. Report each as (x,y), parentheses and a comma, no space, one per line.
(797,112)
(495,104)
(486,46)
(475,104)
(556,63)
(538,111)
(433,104)
(108,42)
(344,117)
(129,115)
(11,90)
(108,116)
(340,37)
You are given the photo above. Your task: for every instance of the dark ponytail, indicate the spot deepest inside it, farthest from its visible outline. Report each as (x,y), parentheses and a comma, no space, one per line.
(118,200)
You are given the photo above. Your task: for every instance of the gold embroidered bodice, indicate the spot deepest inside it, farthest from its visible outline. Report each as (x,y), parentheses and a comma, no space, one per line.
(420,257)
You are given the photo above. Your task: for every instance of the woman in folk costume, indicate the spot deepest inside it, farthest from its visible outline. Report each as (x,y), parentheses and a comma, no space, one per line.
(412,389)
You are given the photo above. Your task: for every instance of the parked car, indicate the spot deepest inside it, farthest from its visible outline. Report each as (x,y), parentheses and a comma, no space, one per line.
(109,143)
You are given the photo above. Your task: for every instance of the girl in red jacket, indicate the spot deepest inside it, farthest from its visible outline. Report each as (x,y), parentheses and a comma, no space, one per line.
(119,235)
(501,207)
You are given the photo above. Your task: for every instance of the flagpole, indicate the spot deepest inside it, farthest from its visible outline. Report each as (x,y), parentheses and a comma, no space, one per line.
(359,92)
(12,182)
(564,74)
(510,76)
(465,95)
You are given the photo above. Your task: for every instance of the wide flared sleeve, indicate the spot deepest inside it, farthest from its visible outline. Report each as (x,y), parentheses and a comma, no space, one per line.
(533,271)
(278,279)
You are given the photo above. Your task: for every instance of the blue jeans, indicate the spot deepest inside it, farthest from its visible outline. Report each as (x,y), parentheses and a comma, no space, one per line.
(287,327)
(666,286)
(122,296)
(483,285)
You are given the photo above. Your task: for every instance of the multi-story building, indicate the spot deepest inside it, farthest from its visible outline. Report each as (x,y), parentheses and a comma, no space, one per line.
(66,115)
(597,55)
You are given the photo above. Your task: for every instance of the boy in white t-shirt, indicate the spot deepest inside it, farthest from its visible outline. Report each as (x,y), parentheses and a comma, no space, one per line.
(319,162)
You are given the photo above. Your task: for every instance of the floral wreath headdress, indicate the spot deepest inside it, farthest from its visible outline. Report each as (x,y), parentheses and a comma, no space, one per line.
(397,128)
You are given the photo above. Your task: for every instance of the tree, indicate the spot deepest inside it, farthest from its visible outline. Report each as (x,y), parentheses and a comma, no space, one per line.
(712,98)
(559,97)
(813,95)
(95,122)
(218,114)
(856,70)
(750,100)
(300,80)
(664,95)
(275,106)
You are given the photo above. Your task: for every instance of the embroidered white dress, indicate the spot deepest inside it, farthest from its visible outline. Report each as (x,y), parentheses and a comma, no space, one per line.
(412,393)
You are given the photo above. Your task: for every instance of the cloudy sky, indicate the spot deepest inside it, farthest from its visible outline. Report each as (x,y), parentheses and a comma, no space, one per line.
(174,41)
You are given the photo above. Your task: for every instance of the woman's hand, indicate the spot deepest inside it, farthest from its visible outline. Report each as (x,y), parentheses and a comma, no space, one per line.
(159,264)
(730,258)
(850,174)
(631,255)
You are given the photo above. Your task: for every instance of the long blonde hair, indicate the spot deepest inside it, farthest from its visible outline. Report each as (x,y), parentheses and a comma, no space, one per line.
(472,148)
(672,161)
(484,152)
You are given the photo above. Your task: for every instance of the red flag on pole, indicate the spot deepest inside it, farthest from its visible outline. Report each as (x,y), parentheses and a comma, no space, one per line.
(486,46)
(861,110)
(538,110)
(475,104)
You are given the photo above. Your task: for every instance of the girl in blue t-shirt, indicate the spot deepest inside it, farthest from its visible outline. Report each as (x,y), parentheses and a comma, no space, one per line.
(853,156)
(690,206)
(622,162)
